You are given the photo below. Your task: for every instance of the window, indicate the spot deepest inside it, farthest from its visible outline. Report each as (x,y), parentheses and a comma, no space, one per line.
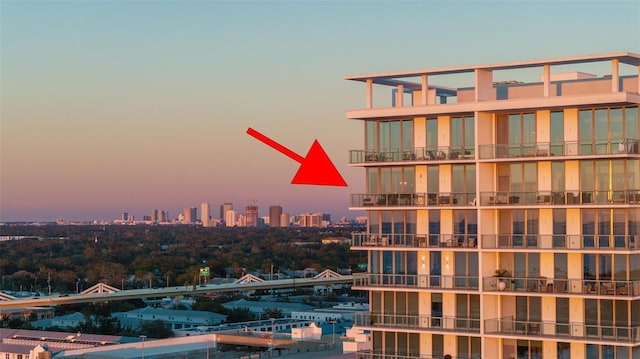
(557,133)
(462,134)
(464,183)
(466,270)
(391,180)
(467,311)
(389,135)
(600,130)
(528,314)
(469,347)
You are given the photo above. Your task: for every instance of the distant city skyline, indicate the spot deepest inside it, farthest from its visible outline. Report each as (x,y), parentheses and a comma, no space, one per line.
(112,106)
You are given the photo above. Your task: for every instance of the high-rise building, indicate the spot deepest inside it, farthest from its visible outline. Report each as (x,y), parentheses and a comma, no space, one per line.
(274,216)
(251,214)
(155,216)
(285,218)
(503,216)
(205,214)
(230,218)
(190,214)
(224,208)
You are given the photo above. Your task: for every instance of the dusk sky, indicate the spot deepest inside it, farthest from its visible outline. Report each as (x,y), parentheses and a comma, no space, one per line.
(120,106)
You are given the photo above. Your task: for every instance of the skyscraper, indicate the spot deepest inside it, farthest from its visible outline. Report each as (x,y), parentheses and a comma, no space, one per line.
(503,216)
(205,214)
(274,216)
(251,213)
(224,208)
(190,214)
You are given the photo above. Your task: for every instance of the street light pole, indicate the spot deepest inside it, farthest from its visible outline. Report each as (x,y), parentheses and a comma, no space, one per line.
(143,337)
(272,334)
(333,332)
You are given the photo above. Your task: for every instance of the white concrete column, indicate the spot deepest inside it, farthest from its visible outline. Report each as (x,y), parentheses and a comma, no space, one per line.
(484,85)
(546,79)
(424,89)
(615,75)
(369,93)
(400,96)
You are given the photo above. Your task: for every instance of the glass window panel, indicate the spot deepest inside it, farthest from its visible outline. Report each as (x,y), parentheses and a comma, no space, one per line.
(557,127)
(615,122)
(372,180)
(589,261)
(564,350)
(457,174)
(384,135)
(600,123)
(409,180)
(590,311)
(535,309)
(618,178)
(456,132)
(635,313)
(602,175)
(470,179)
(433,180)
(622,313)
(560,266)
(557,176)
(634,267)
(398,222)
(516,184)
(528,128)
(586,131)
(432,133)
(606,312)
(631,122)
(394,141)
(385,180)
(373,221)
(386,221)
(605,266)
(371,137)
(411,222)
(530,177)
(587,180)
(515,129)
(463,346)
(620,267)
(633,175)
(469,132)
(396,180)
(407,134)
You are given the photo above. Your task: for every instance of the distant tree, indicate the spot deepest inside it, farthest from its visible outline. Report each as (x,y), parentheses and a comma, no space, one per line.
(158,329)
(240,315)
(272,313)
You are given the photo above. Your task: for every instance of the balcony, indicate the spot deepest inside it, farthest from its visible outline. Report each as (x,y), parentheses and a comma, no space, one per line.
(579,331)
(544,198)
(420,322)
(420,154)
(548,149)
(417,281)
(363,239)
(561,241)
(368,354)
(414,199)
(544,285)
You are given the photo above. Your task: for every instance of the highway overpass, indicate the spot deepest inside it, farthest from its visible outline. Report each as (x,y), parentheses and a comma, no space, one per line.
(105,293)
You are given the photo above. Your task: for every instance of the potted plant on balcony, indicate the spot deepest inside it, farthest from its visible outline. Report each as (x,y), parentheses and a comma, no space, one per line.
(501,274)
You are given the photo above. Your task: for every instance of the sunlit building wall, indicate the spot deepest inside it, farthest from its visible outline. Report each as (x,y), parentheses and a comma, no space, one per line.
(502,207)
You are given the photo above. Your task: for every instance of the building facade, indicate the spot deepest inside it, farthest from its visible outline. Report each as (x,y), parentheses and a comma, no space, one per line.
(503,213)
(205,214)
(251,215)
(275,212)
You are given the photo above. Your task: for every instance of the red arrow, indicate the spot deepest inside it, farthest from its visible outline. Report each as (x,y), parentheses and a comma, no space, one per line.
(316,168)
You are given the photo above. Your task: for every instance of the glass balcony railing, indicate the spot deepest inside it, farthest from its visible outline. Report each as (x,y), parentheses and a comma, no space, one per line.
(560,241)
(418,321)
(515,198)
(413,199)
(363,239)
(541,284)
(442,153)
(569,148)
(371,354)
(580,331)
(420,281)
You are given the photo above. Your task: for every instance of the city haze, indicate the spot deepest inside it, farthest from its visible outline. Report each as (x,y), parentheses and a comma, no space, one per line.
(128,106)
